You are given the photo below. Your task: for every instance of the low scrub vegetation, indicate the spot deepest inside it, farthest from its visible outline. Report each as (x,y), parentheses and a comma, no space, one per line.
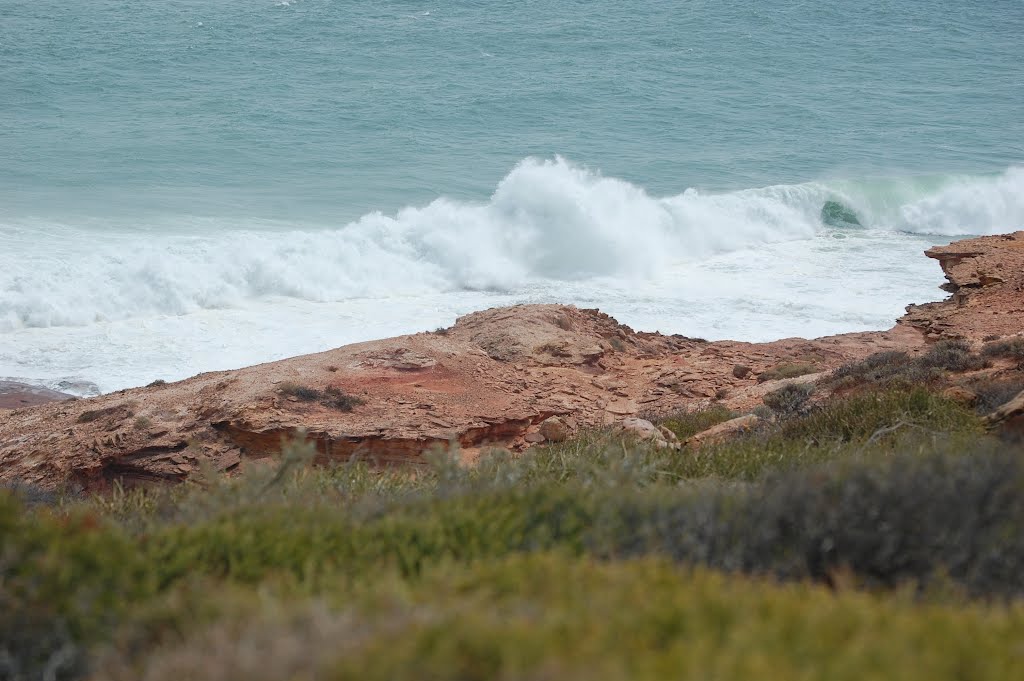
(898,368)
(688,423)
(333,397)
(789,399)
(600,557)
(994,393)
(1010,348)
(552,616)
(953,355)
(882,368)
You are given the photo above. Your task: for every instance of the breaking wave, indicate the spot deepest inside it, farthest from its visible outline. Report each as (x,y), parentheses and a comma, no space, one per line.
(546,220)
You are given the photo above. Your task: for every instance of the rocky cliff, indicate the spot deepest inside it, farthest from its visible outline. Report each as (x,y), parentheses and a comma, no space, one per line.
(491,379)
(986,279)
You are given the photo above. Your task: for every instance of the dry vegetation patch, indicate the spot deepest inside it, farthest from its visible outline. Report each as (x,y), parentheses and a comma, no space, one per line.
(332,396)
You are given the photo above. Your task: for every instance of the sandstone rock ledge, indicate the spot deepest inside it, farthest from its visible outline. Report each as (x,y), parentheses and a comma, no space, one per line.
(986,277)
(491,379)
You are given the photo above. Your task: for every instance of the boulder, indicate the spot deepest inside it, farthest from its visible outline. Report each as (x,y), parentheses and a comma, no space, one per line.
(642,429)
(1011,410)
(554,429)
(741,371)
(962,395)
(723,431)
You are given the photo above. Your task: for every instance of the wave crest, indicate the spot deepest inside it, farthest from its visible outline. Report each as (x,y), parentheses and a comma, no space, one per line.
(547,220)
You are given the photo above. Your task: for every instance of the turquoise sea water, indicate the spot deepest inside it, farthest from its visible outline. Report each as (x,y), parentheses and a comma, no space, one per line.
(195,185)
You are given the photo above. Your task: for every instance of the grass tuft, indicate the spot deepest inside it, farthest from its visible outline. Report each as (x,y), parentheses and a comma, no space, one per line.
(685,424)
(339,399)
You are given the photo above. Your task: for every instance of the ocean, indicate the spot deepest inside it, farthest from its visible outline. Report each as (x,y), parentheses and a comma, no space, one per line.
(189,186)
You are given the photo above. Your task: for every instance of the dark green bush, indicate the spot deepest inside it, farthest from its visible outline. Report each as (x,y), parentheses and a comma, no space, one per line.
(900,369)
(30,495)
(789,399)
(302,392)
(993,394)
(907,519)
(35,643)
(879,368)
(333,397)
(340,400)
(1011,348)
(953,355)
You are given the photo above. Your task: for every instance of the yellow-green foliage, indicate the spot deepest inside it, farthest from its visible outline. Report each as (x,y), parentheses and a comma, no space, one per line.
(551,616)
(435,572)
(688,423)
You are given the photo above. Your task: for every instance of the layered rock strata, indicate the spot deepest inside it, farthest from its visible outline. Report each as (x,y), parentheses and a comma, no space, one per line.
(986,279)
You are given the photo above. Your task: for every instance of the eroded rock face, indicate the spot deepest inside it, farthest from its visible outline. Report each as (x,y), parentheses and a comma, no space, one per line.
(490,380)
(15,395)
(986,277)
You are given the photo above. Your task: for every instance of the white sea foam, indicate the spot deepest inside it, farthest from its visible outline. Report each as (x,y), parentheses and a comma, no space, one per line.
(547,221)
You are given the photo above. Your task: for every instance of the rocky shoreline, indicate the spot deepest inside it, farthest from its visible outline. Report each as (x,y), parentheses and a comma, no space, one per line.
(492,379)
(15,395)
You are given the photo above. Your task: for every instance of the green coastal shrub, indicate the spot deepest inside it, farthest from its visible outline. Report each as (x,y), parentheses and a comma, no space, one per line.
(897,368)
(894,489)
(789,399)
(905,519)
(1010,348)
(883,368)
(953,355)
(993,394)
(554,616)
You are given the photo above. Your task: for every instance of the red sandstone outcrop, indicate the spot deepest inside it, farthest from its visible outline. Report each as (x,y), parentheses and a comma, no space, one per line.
(986,278)
(14,395)
(492,379)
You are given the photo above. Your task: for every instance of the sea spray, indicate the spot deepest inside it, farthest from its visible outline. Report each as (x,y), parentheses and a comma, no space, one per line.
(547,221)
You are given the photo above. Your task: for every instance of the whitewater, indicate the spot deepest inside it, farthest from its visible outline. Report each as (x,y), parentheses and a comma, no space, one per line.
(199,186)
(755,264)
